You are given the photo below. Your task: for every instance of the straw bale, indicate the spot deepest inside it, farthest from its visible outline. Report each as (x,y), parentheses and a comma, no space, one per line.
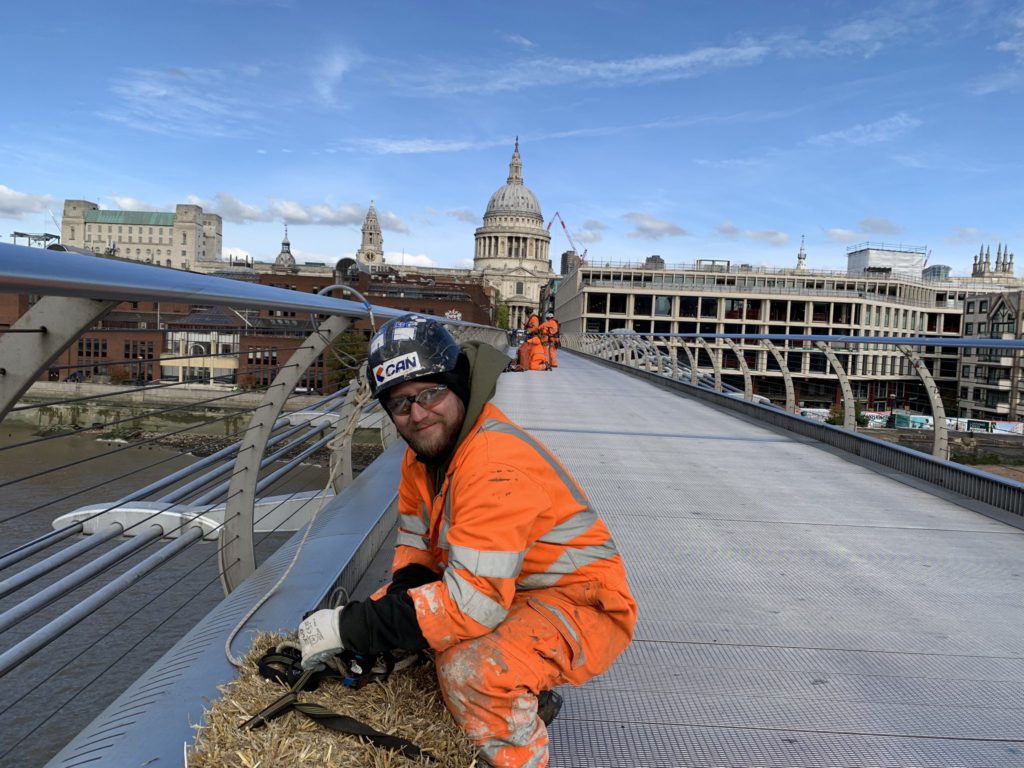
(408,704)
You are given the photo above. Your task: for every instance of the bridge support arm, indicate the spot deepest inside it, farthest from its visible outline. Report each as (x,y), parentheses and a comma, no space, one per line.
(38,337)
(748,386)
(787,377)
(849,406)
(940,435)
(237,559)
(715,362)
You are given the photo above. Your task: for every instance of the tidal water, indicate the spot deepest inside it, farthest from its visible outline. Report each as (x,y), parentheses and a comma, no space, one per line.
(46,701)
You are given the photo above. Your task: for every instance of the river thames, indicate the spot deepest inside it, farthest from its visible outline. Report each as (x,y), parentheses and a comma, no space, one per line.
(46,702)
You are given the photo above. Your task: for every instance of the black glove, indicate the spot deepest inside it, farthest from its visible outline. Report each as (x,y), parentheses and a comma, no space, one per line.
(373,627)
(412,576)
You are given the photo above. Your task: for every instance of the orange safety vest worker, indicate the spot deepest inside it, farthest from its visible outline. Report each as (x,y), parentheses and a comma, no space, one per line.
(537,355)
(501,566)
(533,324)
(523,356)
(549,332)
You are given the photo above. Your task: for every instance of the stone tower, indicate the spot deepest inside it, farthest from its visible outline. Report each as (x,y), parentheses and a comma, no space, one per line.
(370,256)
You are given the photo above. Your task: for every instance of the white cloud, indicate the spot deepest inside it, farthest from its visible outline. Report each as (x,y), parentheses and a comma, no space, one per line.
(399,258)
(840,235)
(879,225)
(131,204)
(237,254)
(551,71)
(384,146)
(328,73)
(519,40)
(770,236)
(182,101)
(463,214)
(869,133)
(234,210)
(965,236)
(649,228)
(392,222)
(591,232)
(290,212)
(348,214)
(17,205)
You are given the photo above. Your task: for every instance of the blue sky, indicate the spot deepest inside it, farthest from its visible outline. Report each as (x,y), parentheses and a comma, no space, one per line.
(691,130)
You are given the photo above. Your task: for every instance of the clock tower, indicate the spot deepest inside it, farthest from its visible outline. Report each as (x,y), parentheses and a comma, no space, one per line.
(370,255)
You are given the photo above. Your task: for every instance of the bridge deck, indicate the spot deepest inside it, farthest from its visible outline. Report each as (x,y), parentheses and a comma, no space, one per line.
(797,608)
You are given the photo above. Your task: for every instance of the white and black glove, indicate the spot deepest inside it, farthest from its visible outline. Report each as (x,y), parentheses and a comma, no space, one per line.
(320,637)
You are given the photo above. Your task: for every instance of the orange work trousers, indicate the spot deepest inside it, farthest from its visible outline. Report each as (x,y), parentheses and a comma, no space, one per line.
(550,637)
(552,353)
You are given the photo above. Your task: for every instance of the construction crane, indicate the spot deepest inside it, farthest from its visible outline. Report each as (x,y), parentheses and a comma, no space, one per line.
(582,256)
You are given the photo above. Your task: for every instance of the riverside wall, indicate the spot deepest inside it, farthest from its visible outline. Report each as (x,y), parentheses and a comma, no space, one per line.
(58,406)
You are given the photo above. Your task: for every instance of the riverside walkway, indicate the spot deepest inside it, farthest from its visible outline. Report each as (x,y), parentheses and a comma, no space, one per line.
(799,606)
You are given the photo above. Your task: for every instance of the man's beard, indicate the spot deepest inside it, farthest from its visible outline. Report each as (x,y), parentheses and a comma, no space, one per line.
(436,445)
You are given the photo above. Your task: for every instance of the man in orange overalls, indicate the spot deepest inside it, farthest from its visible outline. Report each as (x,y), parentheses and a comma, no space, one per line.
(536,355)
(501,566)
(550,336)
(532,324)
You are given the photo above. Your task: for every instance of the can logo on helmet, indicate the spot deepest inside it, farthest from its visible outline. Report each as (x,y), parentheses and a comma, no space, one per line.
(397,366)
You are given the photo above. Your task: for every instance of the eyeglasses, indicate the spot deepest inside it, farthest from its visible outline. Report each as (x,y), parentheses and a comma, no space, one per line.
(401,406)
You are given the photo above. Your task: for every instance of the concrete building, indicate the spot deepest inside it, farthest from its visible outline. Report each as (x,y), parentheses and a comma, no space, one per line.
(512,246)
(992,381)
(186,239)
(716,296)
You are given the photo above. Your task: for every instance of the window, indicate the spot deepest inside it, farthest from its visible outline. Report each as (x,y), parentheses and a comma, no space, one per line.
(966,374)
(642,304)
(519,288)
(663,306)
(968,329)
(983,306)
(970,308)
(981,328)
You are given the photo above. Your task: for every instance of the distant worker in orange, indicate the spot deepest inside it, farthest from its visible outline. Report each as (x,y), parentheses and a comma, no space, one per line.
(533,324)
(501,565)
(549,333)
(536,355)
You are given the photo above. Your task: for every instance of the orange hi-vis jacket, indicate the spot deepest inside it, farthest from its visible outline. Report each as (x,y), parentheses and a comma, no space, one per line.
(533,324)
(549,330)
(508,521)
(536,354)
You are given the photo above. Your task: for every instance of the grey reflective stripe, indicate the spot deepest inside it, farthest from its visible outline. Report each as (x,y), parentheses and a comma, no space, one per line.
(493,425)
(567,530)
(569,561)
(413,524)
(446,520)
(579,660)
(411,540)
(485,563)
(472,602)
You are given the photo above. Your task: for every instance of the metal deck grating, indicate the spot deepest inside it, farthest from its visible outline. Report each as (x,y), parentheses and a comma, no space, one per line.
(796,608)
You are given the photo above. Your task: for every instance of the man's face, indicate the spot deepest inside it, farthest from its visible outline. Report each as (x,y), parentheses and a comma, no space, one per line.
(429,430)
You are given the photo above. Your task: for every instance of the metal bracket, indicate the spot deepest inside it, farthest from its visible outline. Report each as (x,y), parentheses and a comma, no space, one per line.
(24,356)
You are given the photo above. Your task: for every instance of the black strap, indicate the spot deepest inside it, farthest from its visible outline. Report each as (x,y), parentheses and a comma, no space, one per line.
(284,667)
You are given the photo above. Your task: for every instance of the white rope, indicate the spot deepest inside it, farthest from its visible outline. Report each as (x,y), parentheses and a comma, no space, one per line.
(360,398)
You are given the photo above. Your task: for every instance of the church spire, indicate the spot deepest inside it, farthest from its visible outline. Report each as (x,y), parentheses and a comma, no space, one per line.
(515,167)
(371,251)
